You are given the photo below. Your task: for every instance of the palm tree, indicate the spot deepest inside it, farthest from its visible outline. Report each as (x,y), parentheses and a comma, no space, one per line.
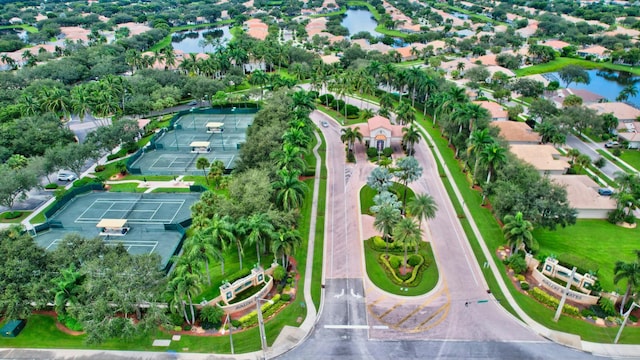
(478,140)
(67,288)
(198,248)
(202,164)
(302,99)
(216,171)
(80,101)
(410,137)
(290,190)
(518,231)
(350,135)
(408,234)
(629,272)
(628,91)
(189,285)
(290,157)
(220,231)
(408,170)
(405,114)
(423,207)
(284,244)
(259,78)
(297,136)
(475,113)
(258,230)
(388,72)
(583,161)
(493,156)
(176,299)
(415,77)
(573,154)
(367,113)
(387,217)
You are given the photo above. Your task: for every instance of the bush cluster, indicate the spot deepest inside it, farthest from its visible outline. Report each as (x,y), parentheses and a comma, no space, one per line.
(70,322)
(551,301)
(524,285)
(391,266)
(51,186)
(267,308)
(100,168)
(238,275)
(516,263)
(84,181)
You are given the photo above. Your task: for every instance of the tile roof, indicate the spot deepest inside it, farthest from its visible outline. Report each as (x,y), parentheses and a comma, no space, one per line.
(542,157)
(515,131)
(582,192)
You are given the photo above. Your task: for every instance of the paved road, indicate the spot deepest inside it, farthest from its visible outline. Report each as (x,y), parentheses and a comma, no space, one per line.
(360,321)
(589,149)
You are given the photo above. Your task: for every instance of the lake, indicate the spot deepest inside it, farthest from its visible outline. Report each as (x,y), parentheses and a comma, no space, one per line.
(357,20)
(608,83)
(189,41)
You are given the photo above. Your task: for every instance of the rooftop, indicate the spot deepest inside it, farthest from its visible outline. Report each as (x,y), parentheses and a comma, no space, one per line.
(542,157)
(619,109)
(515,131)
(582,192)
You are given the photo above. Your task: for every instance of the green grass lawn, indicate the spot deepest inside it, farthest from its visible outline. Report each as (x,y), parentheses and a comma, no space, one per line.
(561,62)
(340,116)
(28,28)
(379,277)
(597,240)
(126,187)
(40,218)
(631,157)
(16,220)
(367,194)
(170,190)
(318,248)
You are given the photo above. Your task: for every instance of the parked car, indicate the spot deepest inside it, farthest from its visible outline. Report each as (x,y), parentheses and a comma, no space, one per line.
(612,144)
(192,102)
(605,191)
(325,124)
(66,176)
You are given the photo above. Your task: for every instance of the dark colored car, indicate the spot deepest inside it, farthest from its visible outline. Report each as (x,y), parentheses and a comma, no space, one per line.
(605,192)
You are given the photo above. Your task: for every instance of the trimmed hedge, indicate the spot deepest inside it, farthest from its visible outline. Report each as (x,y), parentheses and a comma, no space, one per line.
(70,323)
(552,302)
(51,186)
(390,269)
(267,308)
(238,275)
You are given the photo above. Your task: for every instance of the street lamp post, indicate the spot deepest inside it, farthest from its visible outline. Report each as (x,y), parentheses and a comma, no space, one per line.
(263,336)
(228,321)
(624,322)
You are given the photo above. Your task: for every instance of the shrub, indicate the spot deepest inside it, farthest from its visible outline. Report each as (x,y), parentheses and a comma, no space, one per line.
(176,319)
(520,277)
(372,152)
(583,265)
(630,219)
(51,186)
(394,261)
(285,297)
(70,322)
(289,280)
(351,158)
(177,328)
(414,260)
(279,273)
(616,152)
(11,215)
(378,243)
(100,168)
(210,316)
(600,163)
(387,152)
(352,111)
(607,306)
(517,264)
(187,328)
(337,104)
(235,323)
(313,94)
(552,302)
(279,288)
(326,98)
(524,285)
(84,181)
(615,216)
(587,313)
(238,275)
(606,137)
(130,147)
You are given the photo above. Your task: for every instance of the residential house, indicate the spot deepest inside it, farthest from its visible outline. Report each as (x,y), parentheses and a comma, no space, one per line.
(631,135)
(380,133)
(587,96)
(582,194)
(624,112)
(516,132)
(596,52)
(544,158)
(556,45)
(496,111)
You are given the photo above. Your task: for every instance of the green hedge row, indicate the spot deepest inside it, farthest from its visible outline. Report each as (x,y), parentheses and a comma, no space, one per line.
(268,309)
(551,301)
(396,278)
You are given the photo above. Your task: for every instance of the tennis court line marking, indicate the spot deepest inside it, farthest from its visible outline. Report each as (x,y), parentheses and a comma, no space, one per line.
(177,211)
(133,203)
(89,208)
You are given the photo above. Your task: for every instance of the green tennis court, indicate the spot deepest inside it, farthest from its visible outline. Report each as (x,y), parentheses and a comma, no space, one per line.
(150,220)
(193,136)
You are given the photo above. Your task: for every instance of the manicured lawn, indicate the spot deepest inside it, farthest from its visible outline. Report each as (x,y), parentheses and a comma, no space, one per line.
(561,62)
(126,187)
(318,246)
(16,220)
(379,277)
(367,194)
(40,218)
(340,116)
(170,190)
(631,157)
(597,240)
(28,28)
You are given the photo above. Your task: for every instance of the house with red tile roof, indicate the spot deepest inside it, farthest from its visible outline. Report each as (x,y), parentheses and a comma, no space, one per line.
(379,133)
(496,112)
(596,51)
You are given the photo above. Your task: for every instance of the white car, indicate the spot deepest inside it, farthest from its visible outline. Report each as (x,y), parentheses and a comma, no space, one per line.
(66,176)
(325,124)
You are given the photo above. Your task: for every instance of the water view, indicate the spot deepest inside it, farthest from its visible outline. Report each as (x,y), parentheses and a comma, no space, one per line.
(357,20)
(203,40)
(607,83)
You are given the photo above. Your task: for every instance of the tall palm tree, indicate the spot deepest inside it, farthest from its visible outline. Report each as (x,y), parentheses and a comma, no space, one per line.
(81,101)
(203,164)
(176,299)
(220,231)
(258,230)
(259,78)
(415,76)
(199,248)
(189,285)
(475,113)
(478,140)
(405,114)
(387,217)
(297,136)
(408,234)
(290,157)
(350,135)
(388,72)
(493,156)
(628,91)
(407,171)
(518,231)
(67,288)
(284,244)
(290,191)
(411,136)
(302,99)
(629,272)
(422,207)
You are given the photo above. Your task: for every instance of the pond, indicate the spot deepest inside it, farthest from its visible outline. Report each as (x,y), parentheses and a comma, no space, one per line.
(357,20)
(607,83)
(192,41)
